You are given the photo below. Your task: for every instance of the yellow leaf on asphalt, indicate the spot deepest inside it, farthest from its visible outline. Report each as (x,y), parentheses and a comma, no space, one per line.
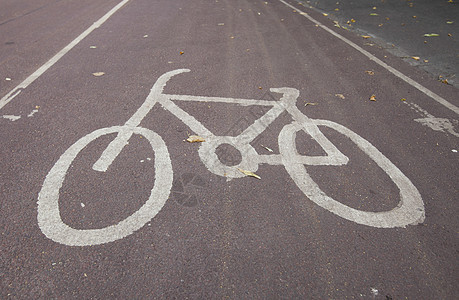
(415,57)
(366,36)
(195,139)
(340,96)
(98,74)
(370,72)
(268,149)
(373,98)
(248,173)
(445,81)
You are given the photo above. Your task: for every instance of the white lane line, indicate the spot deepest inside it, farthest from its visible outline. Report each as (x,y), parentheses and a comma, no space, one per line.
(397,73)
(14,92)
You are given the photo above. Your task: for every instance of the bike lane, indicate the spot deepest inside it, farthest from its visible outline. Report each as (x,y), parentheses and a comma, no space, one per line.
(216,237)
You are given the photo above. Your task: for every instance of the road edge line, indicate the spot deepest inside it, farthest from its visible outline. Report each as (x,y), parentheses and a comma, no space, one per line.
(392,70)
(31,78)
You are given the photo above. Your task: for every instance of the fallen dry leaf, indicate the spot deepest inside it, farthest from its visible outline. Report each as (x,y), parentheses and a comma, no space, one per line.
(403,99)
(195,139)
(98,74)
(248,173)
(415,57)
(325,14)
(340,96)
(431,34)
(370,72)
(445,81)
(181,52)
(366,36)
(269,149)
(374,14)
(373,98)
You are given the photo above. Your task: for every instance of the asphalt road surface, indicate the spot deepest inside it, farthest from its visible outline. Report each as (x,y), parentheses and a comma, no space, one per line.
(103,197)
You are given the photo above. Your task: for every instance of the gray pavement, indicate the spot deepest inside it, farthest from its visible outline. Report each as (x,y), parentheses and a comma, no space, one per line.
(355,148)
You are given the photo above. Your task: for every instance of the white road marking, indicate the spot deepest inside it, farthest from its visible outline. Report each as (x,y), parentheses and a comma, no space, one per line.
(49,217)
(437,124)
(32,113)
(14,92)
(11,117)
(410,209)
(392,70)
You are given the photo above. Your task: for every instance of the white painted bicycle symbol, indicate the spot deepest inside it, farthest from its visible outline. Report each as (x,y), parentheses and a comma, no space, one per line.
(410,209)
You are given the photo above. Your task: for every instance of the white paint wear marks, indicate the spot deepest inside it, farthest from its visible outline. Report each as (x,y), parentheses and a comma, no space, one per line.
(15,118)
(11,117)
(437,124)
(18,89)
(410,209)
(392,70)
(32,113)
